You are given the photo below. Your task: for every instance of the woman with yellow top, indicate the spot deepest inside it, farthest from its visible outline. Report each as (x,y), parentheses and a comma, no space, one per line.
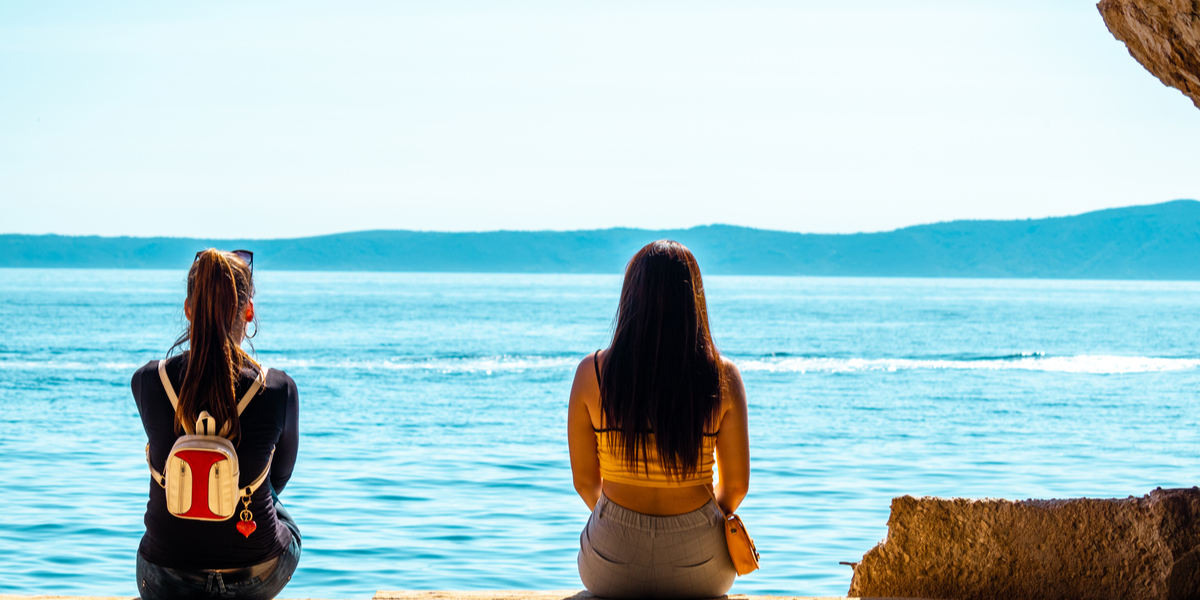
(649,418)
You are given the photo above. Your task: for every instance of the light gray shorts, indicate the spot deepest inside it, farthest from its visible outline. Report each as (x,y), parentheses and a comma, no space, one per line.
(626,554)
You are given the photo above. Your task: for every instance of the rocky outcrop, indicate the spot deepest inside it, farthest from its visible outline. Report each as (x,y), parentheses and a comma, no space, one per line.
(1163,35)
(1136,548)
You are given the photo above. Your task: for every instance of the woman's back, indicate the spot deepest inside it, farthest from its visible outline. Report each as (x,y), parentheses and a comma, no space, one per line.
(229,430)
(270,421)
(645,487)
(647,420)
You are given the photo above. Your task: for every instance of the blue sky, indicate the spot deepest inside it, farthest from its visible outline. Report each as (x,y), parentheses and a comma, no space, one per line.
(280,119)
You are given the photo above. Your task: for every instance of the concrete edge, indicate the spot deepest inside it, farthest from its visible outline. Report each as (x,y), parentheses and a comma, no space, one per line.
(454,595)
(547,595)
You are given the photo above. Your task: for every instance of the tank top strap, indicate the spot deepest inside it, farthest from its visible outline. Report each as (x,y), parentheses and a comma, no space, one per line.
(596,365)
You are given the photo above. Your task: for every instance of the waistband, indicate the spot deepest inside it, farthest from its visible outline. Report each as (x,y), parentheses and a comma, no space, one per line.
(706,516)
(259,570)
(238,575)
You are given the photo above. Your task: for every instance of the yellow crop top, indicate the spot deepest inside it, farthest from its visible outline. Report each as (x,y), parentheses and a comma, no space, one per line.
(651,474)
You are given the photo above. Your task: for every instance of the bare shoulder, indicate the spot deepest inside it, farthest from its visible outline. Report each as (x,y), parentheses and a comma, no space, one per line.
(734,392)
(585,390)
(732,375)
(586,386)
(731,370)
(586,371)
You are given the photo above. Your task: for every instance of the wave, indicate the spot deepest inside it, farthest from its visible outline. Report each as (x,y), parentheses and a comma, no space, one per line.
(68,365)
(1084,364)
(466,364)
(484,364)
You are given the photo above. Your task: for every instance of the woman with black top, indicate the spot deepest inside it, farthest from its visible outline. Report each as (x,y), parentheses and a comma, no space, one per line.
(185,558)
(650,419)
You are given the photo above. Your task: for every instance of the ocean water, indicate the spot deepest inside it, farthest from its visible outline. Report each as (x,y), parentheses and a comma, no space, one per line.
(433,451)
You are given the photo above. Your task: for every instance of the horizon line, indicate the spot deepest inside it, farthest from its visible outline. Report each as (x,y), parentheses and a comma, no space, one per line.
(619,228)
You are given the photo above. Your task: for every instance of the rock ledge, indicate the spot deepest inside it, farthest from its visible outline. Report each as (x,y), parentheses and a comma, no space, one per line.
(1163,35)
(1133,548)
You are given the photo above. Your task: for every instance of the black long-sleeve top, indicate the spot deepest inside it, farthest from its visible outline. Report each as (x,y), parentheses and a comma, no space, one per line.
(271,420)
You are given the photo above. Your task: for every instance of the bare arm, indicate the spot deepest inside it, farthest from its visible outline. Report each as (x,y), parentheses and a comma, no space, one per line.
(585,463)
(733,444)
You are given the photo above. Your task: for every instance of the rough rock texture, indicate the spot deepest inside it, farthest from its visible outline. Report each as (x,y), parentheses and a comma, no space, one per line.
(1163,35)
(1134,548)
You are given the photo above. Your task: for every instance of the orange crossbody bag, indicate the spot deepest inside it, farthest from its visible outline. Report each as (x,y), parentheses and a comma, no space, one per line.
(741,545)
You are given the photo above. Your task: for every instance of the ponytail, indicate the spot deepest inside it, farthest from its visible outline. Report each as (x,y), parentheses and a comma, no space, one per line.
(219,289)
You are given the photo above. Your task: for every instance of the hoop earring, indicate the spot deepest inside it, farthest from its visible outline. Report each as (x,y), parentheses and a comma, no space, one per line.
(251,335)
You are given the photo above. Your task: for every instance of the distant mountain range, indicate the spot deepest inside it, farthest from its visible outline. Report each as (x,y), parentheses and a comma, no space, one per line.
(1160,241)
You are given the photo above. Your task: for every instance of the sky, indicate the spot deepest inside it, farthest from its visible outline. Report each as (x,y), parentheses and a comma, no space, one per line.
(287,119)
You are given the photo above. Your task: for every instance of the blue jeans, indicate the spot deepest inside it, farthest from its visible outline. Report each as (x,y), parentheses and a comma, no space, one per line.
(258,582)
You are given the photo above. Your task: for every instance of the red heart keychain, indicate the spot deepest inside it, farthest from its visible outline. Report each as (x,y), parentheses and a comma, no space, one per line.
(246,526)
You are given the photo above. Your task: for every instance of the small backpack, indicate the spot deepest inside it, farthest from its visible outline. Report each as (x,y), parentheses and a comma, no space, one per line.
(201,474)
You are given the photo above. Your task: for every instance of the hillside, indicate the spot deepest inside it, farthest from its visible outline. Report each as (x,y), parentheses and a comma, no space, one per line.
(1160,241)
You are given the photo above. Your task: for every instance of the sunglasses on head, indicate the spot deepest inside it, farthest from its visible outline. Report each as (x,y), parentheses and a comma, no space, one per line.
(245,256)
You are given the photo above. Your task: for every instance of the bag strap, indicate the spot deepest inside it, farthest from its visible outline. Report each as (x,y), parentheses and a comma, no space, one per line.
(206,424)
(166,381)
(713,495)
(259,382)
(158,477)
(262,478)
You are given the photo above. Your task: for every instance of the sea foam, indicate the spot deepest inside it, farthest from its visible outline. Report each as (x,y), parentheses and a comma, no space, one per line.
(1082,364)
(1086,364)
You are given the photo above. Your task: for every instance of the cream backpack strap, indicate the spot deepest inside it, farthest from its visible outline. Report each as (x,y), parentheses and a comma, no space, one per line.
(158,477)
(166,381)
(206,424)
(259,382)
(262,478)
(255,388)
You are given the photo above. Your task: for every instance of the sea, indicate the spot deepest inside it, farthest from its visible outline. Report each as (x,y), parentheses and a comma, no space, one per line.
(433,452)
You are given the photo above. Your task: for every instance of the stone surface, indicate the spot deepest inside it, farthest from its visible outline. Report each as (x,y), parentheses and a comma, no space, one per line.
(16,597)
(545,595)
(485,595)
(20,597)
(555,595)
(481,595)
(1133,548)
(1163,35)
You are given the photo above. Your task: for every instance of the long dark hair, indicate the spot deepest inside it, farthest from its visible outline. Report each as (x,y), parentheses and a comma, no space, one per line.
(662,373)
(219,287)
